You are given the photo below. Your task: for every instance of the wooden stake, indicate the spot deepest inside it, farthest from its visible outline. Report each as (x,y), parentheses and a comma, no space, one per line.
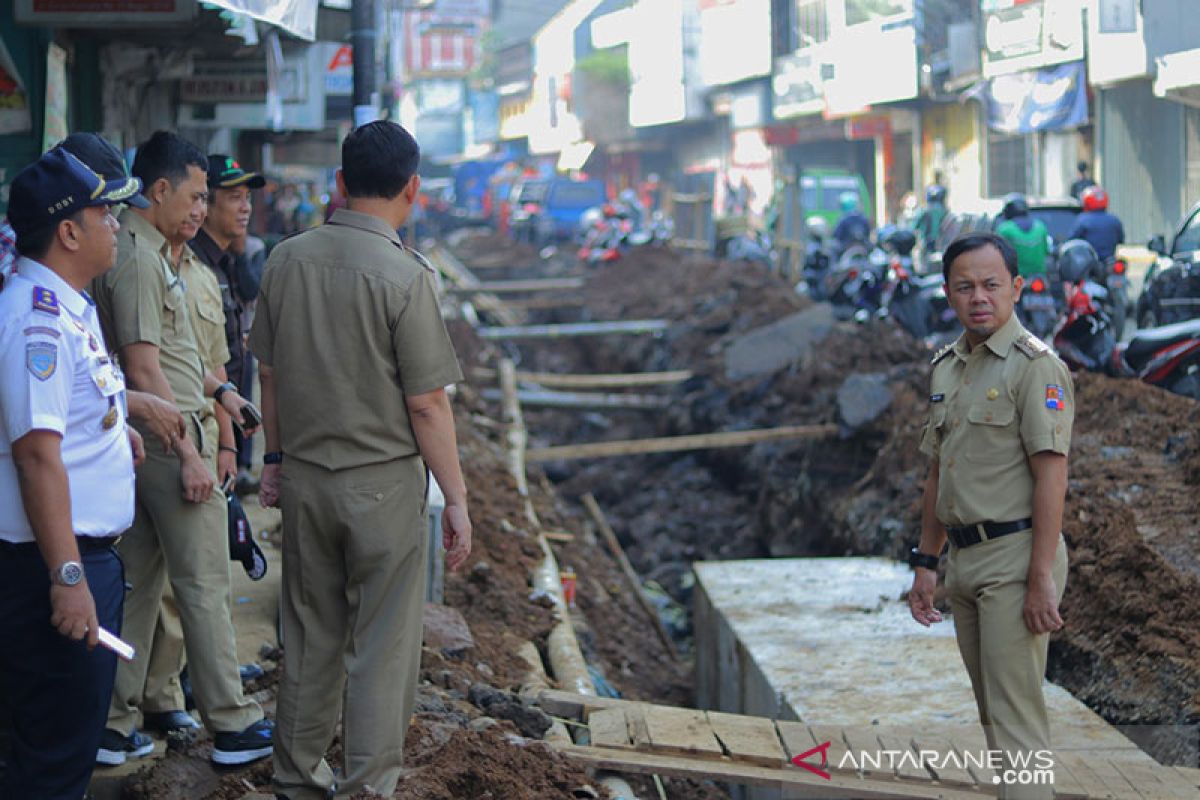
(462,277)
(531,285)
(672,444)
(615,380)
(533,397)
(631,577)
(568,329)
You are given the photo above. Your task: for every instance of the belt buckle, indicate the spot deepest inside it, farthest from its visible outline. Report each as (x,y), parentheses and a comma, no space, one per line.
(981,531)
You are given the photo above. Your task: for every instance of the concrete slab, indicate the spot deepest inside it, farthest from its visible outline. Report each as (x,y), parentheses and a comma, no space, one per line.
(828,641)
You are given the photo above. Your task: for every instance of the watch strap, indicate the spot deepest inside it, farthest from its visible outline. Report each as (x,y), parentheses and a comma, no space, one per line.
(275,457)
(918,559)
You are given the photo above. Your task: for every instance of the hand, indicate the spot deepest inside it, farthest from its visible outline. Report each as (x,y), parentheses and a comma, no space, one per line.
(268,485)
(920,597)
(234,403)
(137,445)
(456,535)
(196,479)
(73,612)
(1041,605)
(162,418)
(226,466)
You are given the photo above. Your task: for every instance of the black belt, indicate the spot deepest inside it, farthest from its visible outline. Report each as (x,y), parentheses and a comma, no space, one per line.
(86,544)
(968,535)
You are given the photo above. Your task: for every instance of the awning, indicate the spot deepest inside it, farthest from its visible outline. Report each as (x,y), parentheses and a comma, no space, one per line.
(1178,77)
(297,17)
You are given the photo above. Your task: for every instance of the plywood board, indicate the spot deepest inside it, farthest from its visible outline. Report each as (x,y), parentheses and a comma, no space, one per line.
(866,750)
(682,731)
(608,728)
(908,764)
(947,771)
(837,751)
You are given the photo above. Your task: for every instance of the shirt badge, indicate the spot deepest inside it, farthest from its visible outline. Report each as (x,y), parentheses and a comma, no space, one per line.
(992,394)
(1054,397)
(41,359)
(936,398)
(45,300)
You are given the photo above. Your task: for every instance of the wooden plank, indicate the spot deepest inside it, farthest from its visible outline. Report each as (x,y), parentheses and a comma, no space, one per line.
(837,751)
(639,734)
(1150,781)
(529,285)
(1190,775)
(560,537)
(571,329)
(796,739)
(865,747)
(795,783)
(946,770)
(973,754)
(1066,785)
(613,380)
(681,731)
(750,739)
(460,276)
(673,444)
(543,303)
(554,399)
(631,577)
(1093,784)
(570,705)
(908,763)
(608,728)
(1117,784)
(1176,780)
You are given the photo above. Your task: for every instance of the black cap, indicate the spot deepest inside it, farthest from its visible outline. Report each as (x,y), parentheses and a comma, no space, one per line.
(226,173)
(242,546)
(102,157)
(56,186)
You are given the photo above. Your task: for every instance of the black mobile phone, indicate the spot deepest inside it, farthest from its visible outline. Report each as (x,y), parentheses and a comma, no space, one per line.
(251,417)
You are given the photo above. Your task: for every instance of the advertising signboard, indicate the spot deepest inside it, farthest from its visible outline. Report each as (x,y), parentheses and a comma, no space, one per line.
(1026,34)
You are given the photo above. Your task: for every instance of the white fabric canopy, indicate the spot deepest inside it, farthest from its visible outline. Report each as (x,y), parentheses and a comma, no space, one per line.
(297,17)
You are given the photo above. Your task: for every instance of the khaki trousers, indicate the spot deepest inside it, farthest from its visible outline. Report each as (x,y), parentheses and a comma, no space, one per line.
(352,602)
(1007,663)
(167,659)
(188,544)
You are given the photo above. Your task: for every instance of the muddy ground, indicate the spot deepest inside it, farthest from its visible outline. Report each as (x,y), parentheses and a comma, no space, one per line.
(1130,646)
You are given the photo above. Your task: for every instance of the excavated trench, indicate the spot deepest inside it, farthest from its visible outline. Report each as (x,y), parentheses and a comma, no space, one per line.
(1131,646)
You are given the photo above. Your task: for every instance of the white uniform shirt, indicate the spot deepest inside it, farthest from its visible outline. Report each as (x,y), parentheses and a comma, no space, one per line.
(56,375)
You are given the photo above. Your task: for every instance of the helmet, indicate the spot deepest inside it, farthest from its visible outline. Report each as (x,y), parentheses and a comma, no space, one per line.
(1077,260)
(818,226)
(848,201)
(1095,199)
(899,240)
(935,194)
(1015,206)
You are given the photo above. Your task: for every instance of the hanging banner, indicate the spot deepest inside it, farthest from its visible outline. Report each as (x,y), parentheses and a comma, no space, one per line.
(1042,100)
(55,129)
(14,103)
(297,17)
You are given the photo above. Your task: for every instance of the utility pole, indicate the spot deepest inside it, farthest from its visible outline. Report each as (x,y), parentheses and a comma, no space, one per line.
(362,42)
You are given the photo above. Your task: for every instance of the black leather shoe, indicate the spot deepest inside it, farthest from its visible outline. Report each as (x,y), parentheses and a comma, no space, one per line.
(165,722)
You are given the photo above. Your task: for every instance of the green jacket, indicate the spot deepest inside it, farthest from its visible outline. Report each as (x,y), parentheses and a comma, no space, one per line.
(1032,246)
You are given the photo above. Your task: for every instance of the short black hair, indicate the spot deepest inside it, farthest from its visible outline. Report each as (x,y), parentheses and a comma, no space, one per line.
(36,243)
(167,155)
(1082,166)
(973,241)
(379,159)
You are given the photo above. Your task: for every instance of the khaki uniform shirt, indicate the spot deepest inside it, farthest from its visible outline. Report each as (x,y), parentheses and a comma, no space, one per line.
(142,299)
(348,319)
(206,307)
(991,408)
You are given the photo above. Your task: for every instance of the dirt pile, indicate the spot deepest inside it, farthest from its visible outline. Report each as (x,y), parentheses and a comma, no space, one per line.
(1130,646)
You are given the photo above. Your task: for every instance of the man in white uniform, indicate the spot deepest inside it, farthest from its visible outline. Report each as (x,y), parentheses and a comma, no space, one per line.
(66,477)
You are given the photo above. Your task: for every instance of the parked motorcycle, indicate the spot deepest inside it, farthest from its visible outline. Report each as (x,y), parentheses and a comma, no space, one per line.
(1168,356)
(917,302)
(1085,336)
(1037,308)
(604,234)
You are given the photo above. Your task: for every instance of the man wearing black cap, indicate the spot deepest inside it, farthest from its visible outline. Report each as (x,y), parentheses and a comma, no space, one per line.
(229,207)
(66,476)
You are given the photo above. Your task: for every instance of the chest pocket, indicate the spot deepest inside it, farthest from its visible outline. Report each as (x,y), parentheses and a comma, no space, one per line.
(174,308)
(992,437)
(211,313)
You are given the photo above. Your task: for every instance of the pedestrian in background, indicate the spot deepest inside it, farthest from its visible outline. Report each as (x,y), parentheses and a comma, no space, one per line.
(999,428)
(354,360)
(66,477)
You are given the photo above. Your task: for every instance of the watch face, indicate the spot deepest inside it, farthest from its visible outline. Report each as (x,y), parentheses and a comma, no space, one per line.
(70,573)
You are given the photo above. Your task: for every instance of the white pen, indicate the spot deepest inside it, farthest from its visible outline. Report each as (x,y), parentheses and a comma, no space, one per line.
(122,648)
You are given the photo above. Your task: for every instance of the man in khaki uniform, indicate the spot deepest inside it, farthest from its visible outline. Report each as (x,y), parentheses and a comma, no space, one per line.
(163,706)
(1001,408)
(355,359)
(180,528)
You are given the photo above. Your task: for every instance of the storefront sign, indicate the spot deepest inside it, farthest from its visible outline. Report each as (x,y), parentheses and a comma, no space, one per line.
(1042,100)
(1025,34)
(797,88)
(886,31)
(103,13)
(735,40)
(225,82)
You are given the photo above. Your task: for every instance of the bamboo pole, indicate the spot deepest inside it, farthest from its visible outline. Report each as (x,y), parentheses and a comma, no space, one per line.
(612,380)
(672,444)
(517,436)
(614,547)
(461,277)
(531,285)
(568,329)
(551,399)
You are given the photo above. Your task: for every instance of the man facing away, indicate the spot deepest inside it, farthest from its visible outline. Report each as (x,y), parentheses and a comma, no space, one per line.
(354,360)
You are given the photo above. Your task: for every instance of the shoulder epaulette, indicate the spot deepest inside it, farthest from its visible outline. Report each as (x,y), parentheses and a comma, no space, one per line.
(420,257)
(1031,346)
(45,300)
(945,351)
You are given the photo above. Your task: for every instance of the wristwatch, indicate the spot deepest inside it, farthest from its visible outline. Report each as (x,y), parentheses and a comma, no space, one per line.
(69,573)
(222,389)
(918,559)
(273,458)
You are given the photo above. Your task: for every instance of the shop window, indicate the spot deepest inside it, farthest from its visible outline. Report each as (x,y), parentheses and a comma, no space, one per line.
(1008,164)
